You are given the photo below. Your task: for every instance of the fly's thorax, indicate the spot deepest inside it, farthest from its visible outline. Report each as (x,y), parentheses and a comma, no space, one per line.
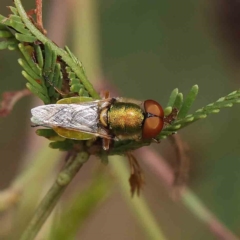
(125,120)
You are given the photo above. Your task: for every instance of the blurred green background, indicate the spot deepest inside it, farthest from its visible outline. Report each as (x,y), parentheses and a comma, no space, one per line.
(148,48)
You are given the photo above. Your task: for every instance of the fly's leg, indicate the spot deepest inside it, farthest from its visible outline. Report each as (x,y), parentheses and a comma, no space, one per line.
(136,179)
(156,140)
(70,156)
(105,94)
(56,89)
(59,91)
(106,143)
(63,94)
(106,138)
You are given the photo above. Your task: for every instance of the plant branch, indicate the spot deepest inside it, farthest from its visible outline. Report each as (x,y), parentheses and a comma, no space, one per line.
(223,102)
(77,68)
(9,99)
(71,168)
(182,161)
(40,166)
(159,166)
(9,197)
(192,202)
(39,14)
(81,206)
(35,73)
(51,198)
(137,204)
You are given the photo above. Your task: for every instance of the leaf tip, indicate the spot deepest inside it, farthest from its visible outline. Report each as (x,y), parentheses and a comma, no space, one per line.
(167,111)
(195,88)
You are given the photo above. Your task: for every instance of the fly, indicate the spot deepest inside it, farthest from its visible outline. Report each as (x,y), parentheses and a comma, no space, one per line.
(82,118)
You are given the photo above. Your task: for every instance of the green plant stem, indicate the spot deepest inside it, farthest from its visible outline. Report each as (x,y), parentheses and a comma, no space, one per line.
(41,166)
(137,204)
(192,202)
(80,207)
(159,166)
(60,52)
(52,196)
(202,113)
(86,29)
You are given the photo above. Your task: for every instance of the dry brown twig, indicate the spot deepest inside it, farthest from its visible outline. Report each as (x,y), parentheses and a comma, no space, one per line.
(9,99)
(162,170)
(182,162)
(38,12)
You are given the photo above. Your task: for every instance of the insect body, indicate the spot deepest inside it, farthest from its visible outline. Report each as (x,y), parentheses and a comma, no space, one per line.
(83,118)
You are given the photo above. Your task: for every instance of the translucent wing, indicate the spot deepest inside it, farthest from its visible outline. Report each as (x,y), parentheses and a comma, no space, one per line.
(82,117)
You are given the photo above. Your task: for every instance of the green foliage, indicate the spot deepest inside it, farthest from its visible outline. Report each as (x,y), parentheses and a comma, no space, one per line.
(42,61)
(185,106)
(90,198)
(50,70)
(183,119)
(47,68)
(76,85)
(8,40)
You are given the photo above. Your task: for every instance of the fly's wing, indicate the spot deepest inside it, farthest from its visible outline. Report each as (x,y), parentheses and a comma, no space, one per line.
(80,117)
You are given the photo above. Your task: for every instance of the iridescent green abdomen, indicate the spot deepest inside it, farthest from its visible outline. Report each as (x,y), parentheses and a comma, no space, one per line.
(125,120)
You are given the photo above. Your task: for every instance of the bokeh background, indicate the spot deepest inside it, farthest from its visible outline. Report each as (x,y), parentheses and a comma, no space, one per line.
(145,49)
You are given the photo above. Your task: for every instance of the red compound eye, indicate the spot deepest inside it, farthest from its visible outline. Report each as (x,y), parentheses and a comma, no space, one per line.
(153,123)
(153,108)
(152,126)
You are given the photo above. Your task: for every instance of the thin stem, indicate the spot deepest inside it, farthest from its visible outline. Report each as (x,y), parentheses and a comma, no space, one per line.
(60,52)
(202,113)
(51,198)
(87,33)
(81,206)
(159,166)
(137,204)
(39,13)
(9,99)
(40,166)
(182,161)
(39,16)
(192,202)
